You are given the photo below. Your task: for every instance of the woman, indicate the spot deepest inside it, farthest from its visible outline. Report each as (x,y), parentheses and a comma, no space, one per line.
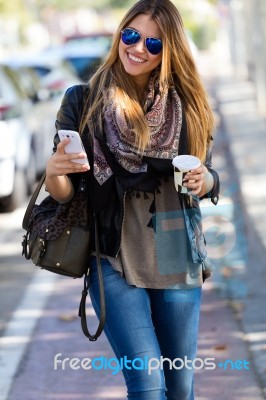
(144,105)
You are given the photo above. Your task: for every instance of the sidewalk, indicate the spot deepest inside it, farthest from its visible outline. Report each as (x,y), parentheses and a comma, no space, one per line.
(233,318)
(58,331)
(245,132)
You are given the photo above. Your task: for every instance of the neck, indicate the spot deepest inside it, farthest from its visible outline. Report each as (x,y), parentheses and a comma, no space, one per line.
(142,90)
(141,82)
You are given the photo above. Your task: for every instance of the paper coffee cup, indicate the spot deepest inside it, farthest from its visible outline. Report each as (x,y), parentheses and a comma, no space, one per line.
(183,164)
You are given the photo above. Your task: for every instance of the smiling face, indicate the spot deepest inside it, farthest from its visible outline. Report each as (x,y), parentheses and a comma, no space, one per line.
(136,59)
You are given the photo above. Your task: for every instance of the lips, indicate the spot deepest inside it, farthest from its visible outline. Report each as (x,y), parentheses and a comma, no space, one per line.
(135,59)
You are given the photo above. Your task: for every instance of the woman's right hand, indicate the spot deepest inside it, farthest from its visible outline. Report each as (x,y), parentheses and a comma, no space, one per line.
(60,163)
(58,166)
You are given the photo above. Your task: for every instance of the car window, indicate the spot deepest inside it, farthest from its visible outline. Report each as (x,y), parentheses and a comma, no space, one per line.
(84,66)
(40,70)
(7,89)
(17,81)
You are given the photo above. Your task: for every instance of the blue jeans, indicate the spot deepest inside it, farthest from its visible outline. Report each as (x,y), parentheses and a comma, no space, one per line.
(150,323)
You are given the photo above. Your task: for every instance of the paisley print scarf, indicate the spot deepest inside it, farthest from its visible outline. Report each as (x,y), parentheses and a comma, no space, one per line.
(164,117)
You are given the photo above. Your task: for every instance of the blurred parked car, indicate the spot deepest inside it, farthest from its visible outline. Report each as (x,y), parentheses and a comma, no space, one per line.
(49,73)
(15,148)
(83,52)
(38,96)
(85,60)
(50,78)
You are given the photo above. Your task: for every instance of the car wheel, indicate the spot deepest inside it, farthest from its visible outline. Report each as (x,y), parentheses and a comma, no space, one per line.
(19,194)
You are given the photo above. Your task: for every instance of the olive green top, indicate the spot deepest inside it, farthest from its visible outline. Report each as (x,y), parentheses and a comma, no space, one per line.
(155,250)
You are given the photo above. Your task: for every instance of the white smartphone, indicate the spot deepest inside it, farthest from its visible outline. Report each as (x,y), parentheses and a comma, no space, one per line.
(74,146)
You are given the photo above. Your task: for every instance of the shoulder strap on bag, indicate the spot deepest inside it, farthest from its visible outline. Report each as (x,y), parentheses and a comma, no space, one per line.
(26,219)
(82,307)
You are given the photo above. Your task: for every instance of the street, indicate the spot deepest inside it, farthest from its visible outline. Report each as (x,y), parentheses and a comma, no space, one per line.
(15,272)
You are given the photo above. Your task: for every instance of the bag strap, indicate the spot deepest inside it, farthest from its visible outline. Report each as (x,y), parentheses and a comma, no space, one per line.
(26,219)
(82,306)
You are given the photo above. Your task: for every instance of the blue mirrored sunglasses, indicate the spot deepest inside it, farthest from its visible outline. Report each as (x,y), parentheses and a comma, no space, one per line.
(130,36)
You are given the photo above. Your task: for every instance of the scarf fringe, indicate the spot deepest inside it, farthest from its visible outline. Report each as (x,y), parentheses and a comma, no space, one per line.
(137,193)
(152,210)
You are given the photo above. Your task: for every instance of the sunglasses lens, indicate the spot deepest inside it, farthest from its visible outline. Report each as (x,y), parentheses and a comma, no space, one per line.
(154,46)
(129,36)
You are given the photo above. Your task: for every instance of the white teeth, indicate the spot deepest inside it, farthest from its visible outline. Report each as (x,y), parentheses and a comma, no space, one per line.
(133,58)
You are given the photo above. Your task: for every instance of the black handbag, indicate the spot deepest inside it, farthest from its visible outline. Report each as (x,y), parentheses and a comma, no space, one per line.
(58,239)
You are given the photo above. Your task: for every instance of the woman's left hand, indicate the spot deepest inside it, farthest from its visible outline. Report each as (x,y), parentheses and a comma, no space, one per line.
(195,180)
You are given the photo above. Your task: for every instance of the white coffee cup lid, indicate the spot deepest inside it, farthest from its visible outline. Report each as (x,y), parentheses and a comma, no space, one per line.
(186,162)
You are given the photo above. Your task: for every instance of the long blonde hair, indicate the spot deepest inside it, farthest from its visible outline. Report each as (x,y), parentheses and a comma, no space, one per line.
(177,69)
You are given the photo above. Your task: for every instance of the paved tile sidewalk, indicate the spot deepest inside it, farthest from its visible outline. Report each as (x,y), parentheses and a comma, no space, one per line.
(245,131)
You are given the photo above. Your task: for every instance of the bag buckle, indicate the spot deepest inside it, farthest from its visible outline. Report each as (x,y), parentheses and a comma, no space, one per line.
(25,246)
(41,249)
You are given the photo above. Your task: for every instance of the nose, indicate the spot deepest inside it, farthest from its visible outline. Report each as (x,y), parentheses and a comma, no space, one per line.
(140,46)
